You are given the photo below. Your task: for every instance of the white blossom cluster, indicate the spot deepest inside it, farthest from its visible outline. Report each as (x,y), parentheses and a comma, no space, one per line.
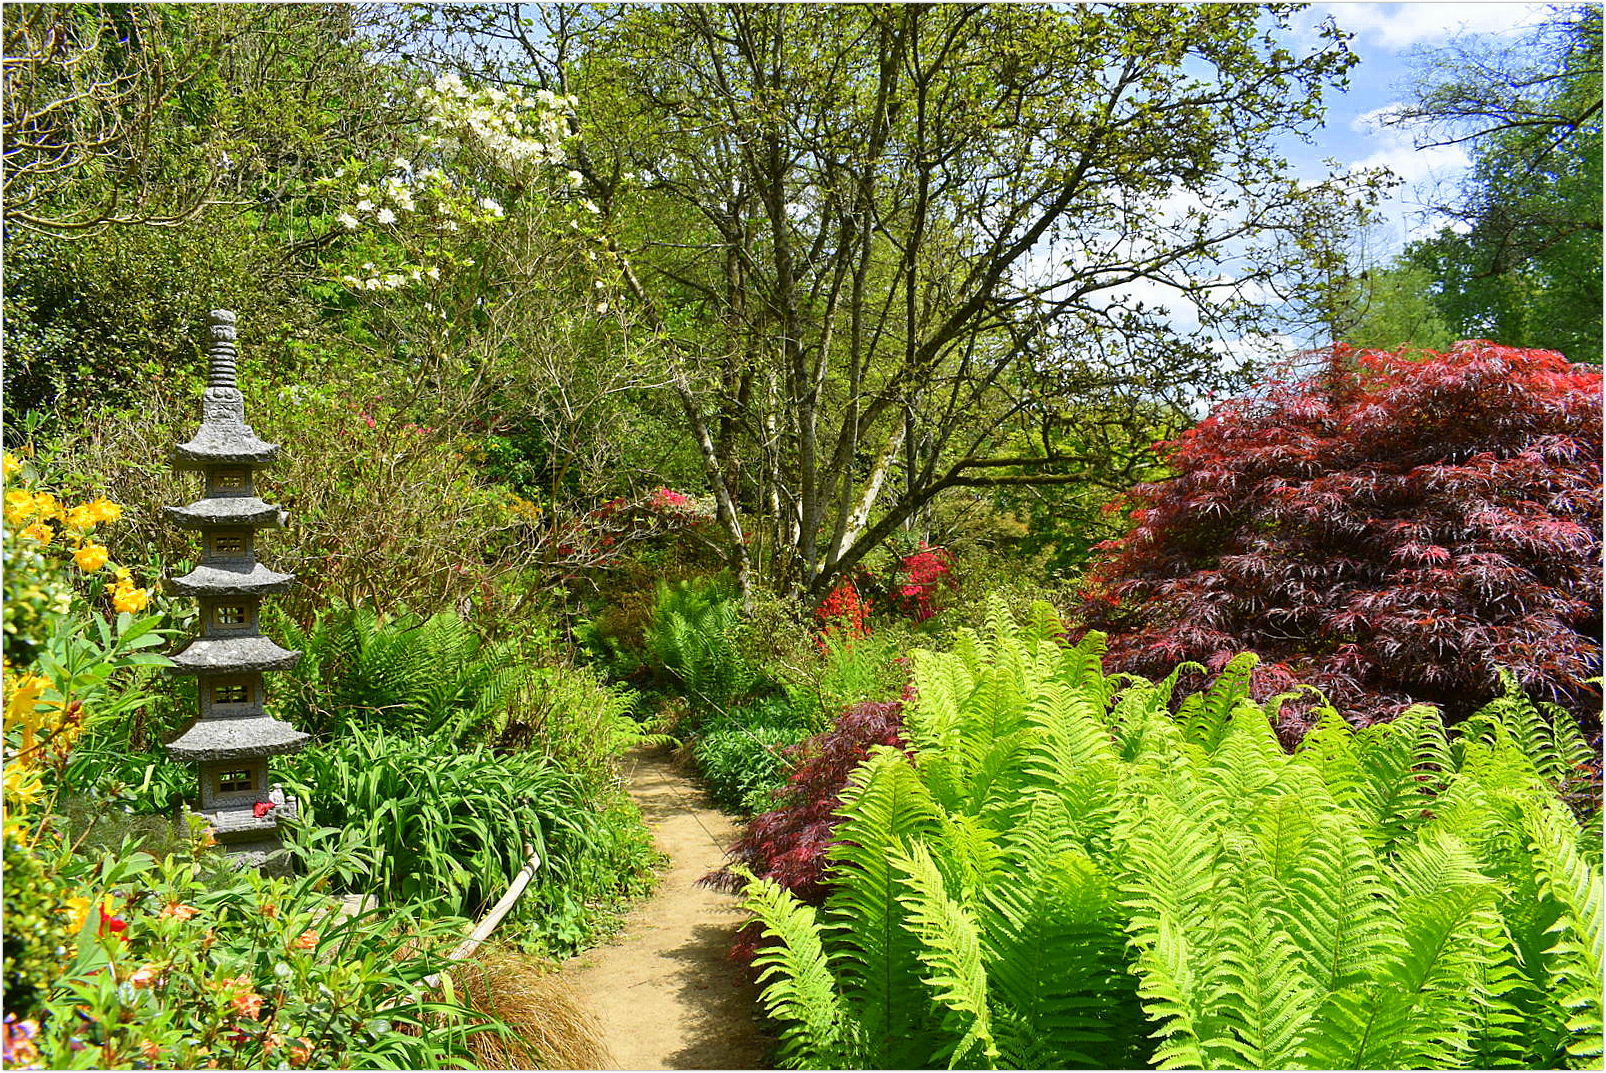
(520,130)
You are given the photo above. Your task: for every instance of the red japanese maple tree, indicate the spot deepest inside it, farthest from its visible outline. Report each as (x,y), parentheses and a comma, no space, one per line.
(1395,528)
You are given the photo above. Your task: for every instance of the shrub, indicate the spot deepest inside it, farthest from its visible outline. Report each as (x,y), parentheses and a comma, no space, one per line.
(743,753)
(1391,530)
(183,963)
(1063,873)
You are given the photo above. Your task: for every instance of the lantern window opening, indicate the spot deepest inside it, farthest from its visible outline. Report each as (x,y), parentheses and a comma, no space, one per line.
(231,479)
(228,544)
(231,616)
(236,781)
(231,692)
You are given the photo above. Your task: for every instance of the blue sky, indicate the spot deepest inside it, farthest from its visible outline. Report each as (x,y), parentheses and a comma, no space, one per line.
(1387,35)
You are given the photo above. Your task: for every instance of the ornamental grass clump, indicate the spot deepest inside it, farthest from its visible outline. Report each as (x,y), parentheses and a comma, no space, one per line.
(1061,873)
(540,1024)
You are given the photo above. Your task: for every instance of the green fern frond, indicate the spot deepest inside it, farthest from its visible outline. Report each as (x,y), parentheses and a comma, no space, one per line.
(1335,908)
(1404,765)
(943,685)
(1083,665)
(1271,997)
(1170,888)
(1056,962)
(1575,961)
(1204,716)
(799,989)
(1248,760)
(1043,623)
(950,949)
(1141,723)
(1283,825)
(971,855)
(1330,748)
(884,806)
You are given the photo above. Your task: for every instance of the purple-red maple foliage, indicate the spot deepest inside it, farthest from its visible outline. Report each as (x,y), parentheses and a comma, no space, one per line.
(1392,529)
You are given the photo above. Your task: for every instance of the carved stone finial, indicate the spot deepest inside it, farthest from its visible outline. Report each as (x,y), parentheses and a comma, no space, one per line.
(221,352)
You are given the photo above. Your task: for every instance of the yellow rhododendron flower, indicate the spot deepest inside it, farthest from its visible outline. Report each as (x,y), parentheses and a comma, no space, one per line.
(11,465)
(23,785)
(105,510)
(19,506)
(82,517)
(22,703)
(128,598)
(77,910)
(90,557)
(47,506)
(39,531)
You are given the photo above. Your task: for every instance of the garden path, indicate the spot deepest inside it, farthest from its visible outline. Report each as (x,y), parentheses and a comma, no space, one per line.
(666,991)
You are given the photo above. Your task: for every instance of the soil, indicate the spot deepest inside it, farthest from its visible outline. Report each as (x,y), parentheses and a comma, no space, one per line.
(665,990)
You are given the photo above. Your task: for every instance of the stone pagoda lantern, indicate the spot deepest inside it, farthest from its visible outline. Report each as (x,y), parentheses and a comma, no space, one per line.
(231,739)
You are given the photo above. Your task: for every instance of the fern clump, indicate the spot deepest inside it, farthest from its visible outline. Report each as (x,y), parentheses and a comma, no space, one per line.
(1062,873)
(698,638)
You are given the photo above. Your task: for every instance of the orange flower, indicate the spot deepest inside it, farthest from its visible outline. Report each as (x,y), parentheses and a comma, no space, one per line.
(268,909)
(300,1051)
(150,1050)
(248,1004)
(307,941)
(179,910)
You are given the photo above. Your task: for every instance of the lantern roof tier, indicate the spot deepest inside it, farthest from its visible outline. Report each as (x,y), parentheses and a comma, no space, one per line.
(224,437)
(211,580)
(236,739)
(233,655)
(221,511)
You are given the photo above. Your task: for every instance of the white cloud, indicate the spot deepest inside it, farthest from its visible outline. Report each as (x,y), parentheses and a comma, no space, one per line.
(1425,171)
(1398,26)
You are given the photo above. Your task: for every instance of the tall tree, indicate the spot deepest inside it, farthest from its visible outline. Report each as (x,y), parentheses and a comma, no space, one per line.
(879,247)
(1522,262)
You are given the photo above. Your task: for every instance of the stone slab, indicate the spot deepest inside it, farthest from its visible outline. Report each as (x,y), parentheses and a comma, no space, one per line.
(222,655)
(210,580)
(229,512)
(236,739)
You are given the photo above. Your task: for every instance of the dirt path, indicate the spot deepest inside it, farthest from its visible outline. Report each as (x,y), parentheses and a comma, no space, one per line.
(665,990)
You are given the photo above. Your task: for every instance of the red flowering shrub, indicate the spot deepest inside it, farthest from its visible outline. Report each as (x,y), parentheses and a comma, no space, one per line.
(925,570)
(1390,530)
(788,843)
(843,615)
